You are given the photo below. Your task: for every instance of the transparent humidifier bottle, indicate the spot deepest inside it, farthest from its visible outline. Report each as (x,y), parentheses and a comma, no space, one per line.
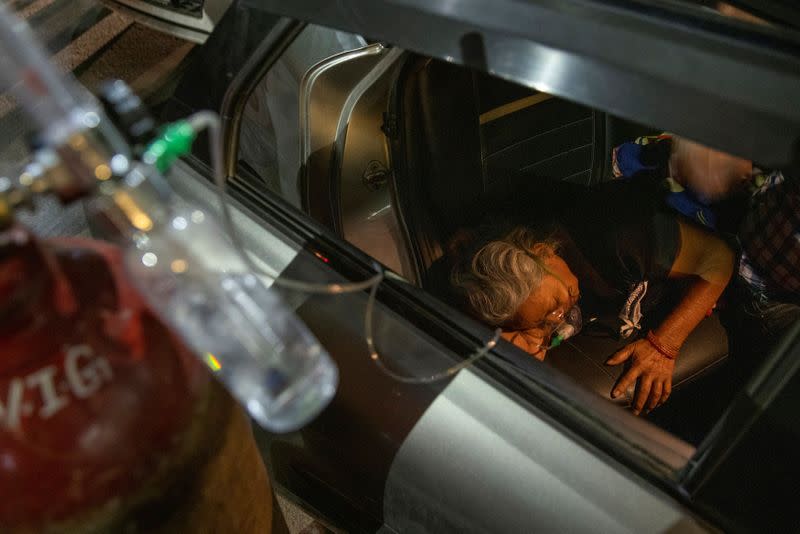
(240,328)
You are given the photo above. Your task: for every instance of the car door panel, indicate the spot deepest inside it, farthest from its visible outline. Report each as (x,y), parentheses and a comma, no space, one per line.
(479,462)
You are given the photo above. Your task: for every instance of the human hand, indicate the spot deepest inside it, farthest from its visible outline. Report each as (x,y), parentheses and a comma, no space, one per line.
(710,174)
(531,341)
(651,370)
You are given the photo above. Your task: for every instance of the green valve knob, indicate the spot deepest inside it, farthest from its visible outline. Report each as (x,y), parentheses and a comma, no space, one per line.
(175,141)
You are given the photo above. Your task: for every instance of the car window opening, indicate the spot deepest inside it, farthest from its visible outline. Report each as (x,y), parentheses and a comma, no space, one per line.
(525,211)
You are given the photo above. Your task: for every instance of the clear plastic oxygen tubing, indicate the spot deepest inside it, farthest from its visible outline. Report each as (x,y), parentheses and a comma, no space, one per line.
(450,371)
(210,121)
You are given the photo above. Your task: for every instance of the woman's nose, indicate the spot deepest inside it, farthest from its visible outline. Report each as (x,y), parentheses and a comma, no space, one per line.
(573,292)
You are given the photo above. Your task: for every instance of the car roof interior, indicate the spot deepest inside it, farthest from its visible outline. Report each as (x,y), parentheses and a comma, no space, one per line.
(466,139)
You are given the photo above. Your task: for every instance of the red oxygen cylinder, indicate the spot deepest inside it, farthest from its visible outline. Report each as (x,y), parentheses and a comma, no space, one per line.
(100,405)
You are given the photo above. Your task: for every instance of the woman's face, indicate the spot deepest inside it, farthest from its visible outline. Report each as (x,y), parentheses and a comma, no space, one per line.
(557,293)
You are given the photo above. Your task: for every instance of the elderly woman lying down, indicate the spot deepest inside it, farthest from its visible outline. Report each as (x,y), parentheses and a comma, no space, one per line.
(620,247)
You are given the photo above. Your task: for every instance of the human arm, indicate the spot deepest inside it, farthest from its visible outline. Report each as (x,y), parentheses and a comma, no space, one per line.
(708,261)
(710,174)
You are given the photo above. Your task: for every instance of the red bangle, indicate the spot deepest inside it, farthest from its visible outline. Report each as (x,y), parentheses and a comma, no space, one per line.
(665,350)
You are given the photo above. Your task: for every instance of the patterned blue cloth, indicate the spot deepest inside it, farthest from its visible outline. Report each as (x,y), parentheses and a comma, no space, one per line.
(690,206)
(628,160)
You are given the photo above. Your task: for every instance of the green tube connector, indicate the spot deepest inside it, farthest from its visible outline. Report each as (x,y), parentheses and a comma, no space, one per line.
(175,141)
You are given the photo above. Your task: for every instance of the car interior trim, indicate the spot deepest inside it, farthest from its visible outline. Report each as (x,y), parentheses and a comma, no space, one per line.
(512,107)
(309,80)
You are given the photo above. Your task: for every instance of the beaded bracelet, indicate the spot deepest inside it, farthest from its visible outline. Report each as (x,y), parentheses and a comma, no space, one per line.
(665,350)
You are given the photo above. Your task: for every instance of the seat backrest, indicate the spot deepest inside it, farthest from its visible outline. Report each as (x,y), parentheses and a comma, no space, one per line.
(467,138)
(441,181)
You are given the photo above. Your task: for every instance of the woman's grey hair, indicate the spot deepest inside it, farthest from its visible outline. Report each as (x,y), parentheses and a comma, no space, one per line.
(494,281)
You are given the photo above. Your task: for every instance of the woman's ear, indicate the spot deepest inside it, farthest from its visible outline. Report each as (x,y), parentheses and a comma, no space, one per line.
(459,241)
